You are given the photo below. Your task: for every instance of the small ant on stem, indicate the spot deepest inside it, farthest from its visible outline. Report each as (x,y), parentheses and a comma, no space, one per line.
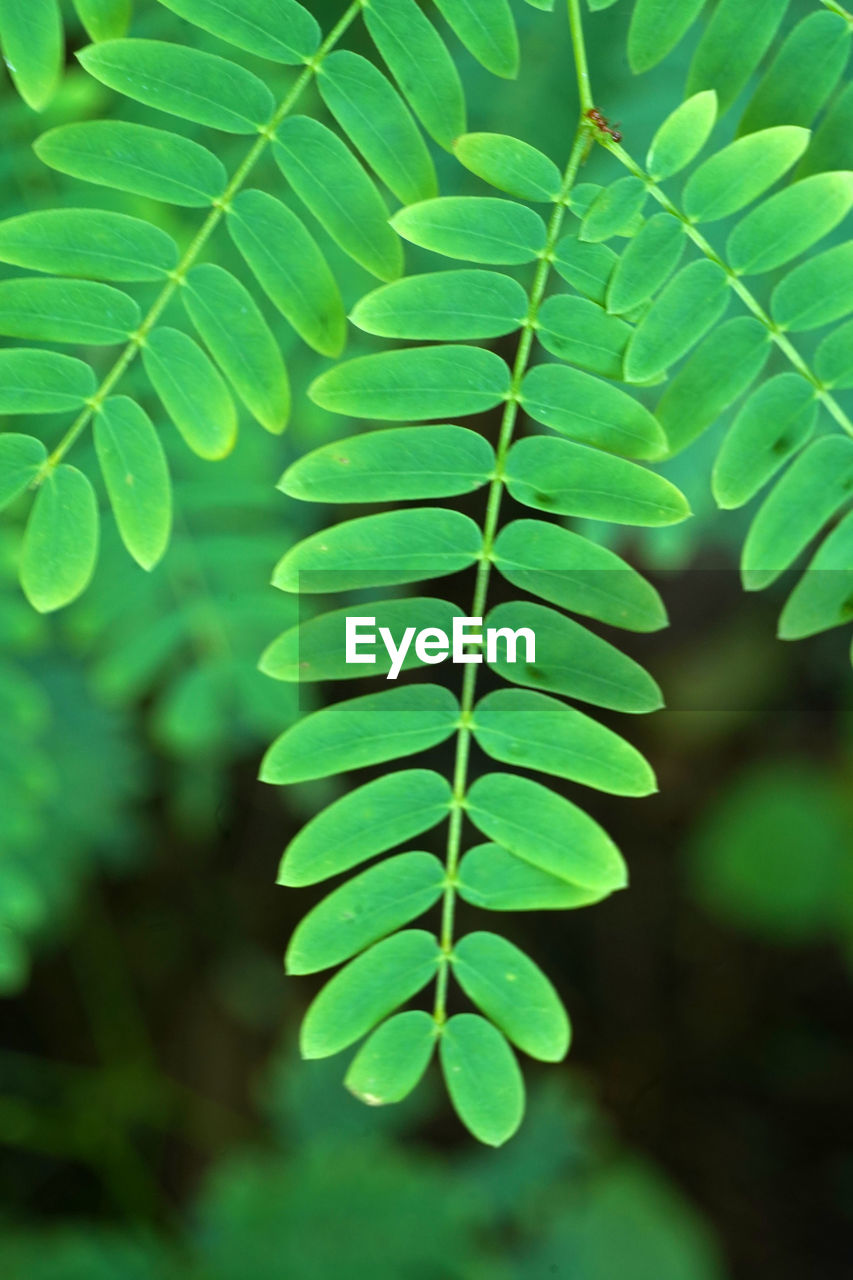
(602,125)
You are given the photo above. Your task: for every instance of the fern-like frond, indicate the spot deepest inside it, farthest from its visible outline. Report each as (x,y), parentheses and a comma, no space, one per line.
(531,847)
(90,256)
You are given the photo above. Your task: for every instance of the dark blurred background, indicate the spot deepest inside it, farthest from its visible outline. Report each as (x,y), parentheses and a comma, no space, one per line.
(154,1116)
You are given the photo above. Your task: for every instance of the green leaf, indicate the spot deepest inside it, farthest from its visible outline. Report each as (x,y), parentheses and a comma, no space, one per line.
(834,357)
(586,267)
(573,661)
(283,32)
(732,45)
(445,305)
(290,268)
(376,120)
(546,831)
(228,320)
(31,37)
(369,907)
(136,475)
(184,82)
(656,27)
(421,382)
(21,458)
(43,382)
(687,308)
(418,60)
(823,598)
(75,311)
(61,540)
(104,19)
(327,177)
(382,550)
(494,879)
(134,157)
(802,75)
(578,331)
(647,263)
(532,731)
(364,822)
(510,165)
(573,480)
(579,575)
(582,196)
(361,732)
(682,136)
(482,1077)
(737,175)
(727,362)
(614,210)
(487,30)
(392,1061)
(88,242)
(367,990)
(591,411)
(192,392)
(816,292)
(476,228)
(392,465)
(514,993)
(316,649)
(773,424)
(790,222)
(811,491)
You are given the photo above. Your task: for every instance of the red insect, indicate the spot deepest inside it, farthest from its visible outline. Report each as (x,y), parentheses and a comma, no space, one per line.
(602,125)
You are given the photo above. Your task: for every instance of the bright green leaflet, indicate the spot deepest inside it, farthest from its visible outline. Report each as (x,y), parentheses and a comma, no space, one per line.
(67,311)
(392,1061)
(61,542)
(284,32)
(483,1078)
(136,475)
(32,42)
(193,393)
(446,305)
(510,165)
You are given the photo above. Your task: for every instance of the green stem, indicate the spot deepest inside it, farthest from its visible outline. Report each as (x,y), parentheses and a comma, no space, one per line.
(839,9)
(490,528)
(781,339)
(579,50)
(211,222)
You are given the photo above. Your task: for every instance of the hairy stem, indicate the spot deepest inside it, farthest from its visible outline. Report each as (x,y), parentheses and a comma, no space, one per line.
(781,339)
(493,507)
(211,222)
